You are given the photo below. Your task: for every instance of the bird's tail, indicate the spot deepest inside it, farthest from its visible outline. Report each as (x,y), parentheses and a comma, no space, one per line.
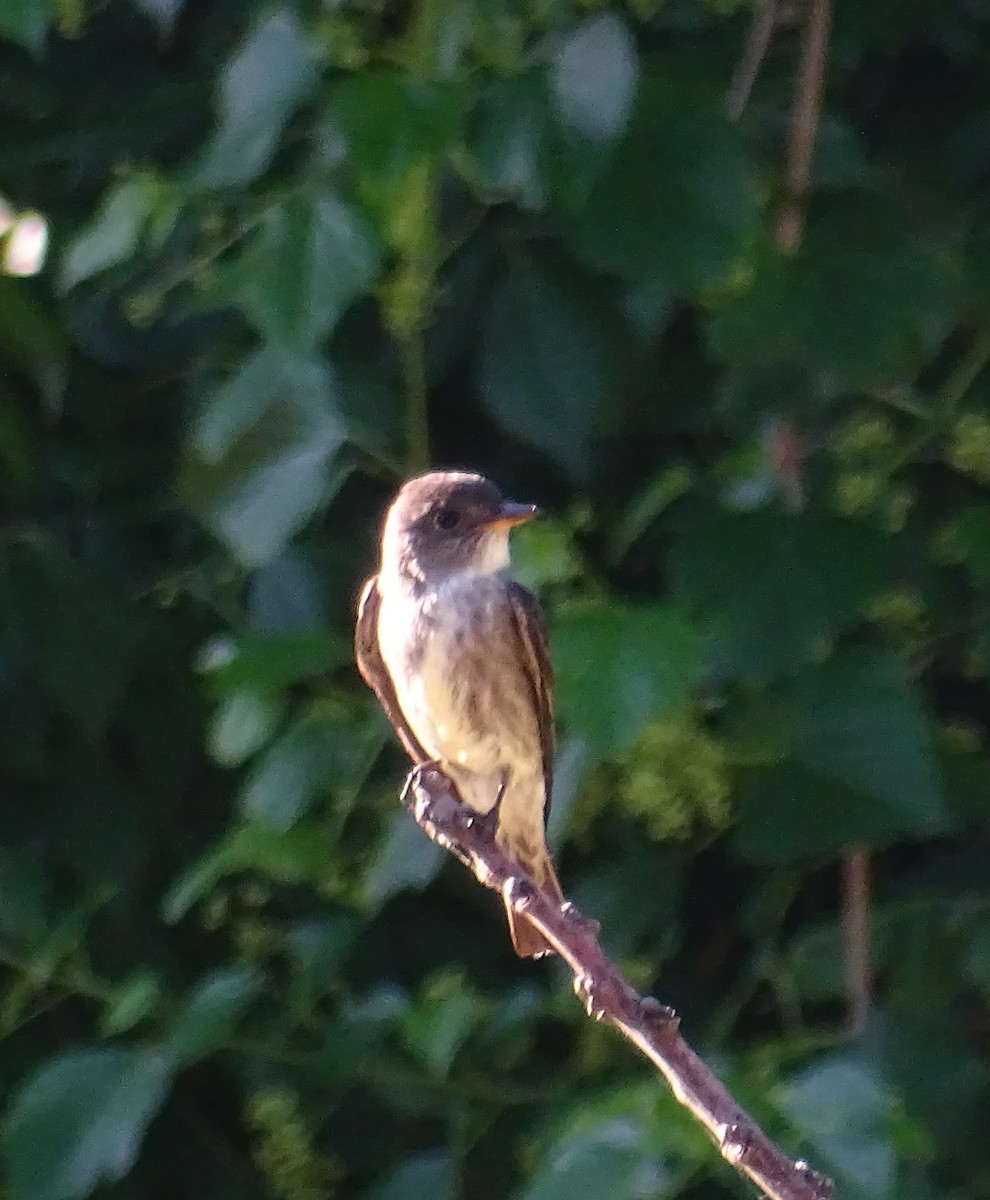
(527,941)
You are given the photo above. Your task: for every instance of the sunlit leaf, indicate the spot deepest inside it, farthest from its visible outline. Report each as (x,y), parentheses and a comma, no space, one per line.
(430,1176)
(79,1121)
(594,77)
(405,859)
(243,723)
(262,446)
(311,259)
(262,85)
(607,1162)
(845,1110)
(113,235)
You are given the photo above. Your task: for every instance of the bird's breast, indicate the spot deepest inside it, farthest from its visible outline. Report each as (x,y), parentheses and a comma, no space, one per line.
(453,658)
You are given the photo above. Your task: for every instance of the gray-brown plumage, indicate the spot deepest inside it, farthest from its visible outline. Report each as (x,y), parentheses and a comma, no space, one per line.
(457,654)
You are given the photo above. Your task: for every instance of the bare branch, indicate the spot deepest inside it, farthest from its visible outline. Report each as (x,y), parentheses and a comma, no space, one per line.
(651,1026)
(856,935)
(809,89)
(744,77)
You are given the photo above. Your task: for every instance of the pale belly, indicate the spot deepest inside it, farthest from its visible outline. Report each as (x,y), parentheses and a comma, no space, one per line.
(461,691)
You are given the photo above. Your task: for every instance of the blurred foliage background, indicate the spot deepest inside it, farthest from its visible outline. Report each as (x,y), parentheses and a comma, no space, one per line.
(301,250)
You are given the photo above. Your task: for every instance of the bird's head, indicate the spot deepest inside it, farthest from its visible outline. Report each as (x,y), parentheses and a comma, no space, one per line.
(449,523)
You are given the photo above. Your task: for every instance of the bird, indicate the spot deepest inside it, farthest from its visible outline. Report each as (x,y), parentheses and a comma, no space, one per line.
(458,656)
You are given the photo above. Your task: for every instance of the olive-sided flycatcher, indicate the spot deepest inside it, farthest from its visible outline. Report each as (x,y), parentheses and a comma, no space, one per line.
(457,654)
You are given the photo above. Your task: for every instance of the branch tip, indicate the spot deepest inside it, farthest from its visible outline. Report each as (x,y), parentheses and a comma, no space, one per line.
(651,1026)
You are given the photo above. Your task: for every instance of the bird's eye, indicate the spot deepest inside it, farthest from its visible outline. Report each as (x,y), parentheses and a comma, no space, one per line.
(446,518)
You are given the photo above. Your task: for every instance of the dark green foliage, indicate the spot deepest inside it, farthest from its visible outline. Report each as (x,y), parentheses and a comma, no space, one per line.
(302,249)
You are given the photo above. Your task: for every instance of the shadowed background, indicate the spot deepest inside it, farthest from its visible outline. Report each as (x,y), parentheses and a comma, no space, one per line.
(300,251)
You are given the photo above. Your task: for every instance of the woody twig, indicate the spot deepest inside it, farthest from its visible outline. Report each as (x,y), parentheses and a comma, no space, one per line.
(651,1026)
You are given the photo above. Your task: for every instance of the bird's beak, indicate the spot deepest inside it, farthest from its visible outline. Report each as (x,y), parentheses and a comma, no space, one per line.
(513,514)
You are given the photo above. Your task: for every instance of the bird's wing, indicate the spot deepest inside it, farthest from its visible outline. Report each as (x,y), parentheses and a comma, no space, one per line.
(534,653)
(375,673)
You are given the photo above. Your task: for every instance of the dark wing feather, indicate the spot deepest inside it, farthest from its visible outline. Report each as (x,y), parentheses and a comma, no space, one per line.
(375,673)
(531,632)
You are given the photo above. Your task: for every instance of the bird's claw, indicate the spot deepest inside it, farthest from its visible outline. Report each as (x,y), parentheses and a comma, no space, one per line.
(518,892)
(414,781)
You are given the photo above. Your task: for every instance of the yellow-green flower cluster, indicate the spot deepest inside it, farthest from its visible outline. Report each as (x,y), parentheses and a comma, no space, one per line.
(283,1149)
(864,486)
(674,777)
(901,614)
(969,449)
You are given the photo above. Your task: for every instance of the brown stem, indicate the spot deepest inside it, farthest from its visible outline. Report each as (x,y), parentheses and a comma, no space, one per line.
(856,935)
(651,1026)
(744,77)
(808,91)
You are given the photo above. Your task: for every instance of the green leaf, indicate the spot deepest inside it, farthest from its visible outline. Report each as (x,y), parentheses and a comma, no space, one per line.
(441,1020)
(262,86)
(79,633)
(26,22)
(261,449)
(392,121)
(543,552)
(776,590)
(666,487)
(976,280)
(619,667)
(267,661)
(162,12)
(312,258)
(506,141)
(299,854)
(33,338)
(606,1162)
(317,948)
(594,77)
(862,726)
(429,1176)
(244,722)
(676,200)
(405,859)
(132,1002)
(287,779)
(895,300)
(212,1013)
(845,1110)
(852,761)
(23,896)
(551,361)
(114,233)
(288,596)
(79,1121)
(970,532)
(931,1063)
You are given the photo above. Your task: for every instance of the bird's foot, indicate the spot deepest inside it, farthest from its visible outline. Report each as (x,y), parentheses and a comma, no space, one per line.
(416,780)
(487,823)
